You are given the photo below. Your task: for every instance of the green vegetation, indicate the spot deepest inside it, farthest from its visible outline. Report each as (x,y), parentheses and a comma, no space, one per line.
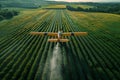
(20,3)
(26,57)
(82,6)
(0,6)
(97,7)
(54,6)
(7,14)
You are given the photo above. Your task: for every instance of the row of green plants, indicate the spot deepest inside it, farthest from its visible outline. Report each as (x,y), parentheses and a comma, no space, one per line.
(19,58)
(27,57)
(101,59)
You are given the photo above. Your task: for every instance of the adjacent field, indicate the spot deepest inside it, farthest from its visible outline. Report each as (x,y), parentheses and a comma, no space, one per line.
(54,6)
(82,6)
(92,57)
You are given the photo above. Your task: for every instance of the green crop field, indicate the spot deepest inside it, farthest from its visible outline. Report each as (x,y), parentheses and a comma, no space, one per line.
(92,57)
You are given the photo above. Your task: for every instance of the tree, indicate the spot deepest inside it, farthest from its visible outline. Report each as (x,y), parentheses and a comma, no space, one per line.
(0,6)
(1,17)
(80,9)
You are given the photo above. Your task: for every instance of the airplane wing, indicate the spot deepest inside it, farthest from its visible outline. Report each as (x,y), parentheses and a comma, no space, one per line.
(56,40)
(74,34)
(44,33)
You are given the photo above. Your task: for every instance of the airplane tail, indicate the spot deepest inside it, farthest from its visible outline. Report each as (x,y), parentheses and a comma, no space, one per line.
(57,40)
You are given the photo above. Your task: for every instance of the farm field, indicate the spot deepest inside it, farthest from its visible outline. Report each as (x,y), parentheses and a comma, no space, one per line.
(92,57)
(82,6)
(54,6)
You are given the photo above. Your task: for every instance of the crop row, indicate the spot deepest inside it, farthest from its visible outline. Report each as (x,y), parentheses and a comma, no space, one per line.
(27,57)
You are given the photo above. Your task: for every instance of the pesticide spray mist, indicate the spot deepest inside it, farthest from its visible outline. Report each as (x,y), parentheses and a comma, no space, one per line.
(56,64)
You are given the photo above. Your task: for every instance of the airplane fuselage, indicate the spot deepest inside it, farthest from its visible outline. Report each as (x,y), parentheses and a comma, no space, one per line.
(59,35)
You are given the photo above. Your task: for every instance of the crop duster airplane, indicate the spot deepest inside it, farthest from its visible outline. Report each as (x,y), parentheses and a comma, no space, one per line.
(59,35)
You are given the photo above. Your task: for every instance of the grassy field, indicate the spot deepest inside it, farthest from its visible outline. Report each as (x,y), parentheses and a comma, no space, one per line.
(54,6)
(92,57)
(82,6)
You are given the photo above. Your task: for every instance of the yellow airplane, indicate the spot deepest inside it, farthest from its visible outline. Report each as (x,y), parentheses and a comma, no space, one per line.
(59,35)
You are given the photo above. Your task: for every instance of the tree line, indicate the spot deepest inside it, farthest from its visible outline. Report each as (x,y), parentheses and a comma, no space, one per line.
(7,14)
(107,8)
